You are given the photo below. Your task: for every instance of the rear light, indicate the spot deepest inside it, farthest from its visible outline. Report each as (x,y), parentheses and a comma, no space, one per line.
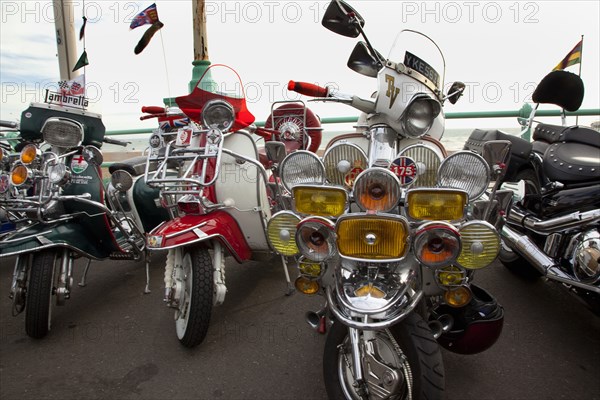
(190,204)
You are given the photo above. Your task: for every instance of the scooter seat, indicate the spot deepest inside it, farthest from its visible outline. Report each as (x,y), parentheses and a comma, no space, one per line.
(135,166)
(570,162)
(570,134)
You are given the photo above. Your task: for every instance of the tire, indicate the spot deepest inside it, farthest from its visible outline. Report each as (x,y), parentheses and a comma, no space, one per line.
(38,311)
(415,341)
(510,259)
(196,300)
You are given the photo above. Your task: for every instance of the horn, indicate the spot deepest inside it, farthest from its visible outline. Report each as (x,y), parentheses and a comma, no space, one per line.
(441,325)
(316,320)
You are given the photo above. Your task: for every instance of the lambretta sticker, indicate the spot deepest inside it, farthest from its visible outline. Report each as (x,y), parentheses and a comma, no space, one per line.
(414,62)
(78,164)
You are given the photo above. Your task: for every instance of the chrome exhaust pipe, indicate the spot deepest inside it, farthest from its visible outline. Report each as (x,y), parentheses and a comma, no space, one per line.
(536,257)
(316,320)
(441,325)
(521,217)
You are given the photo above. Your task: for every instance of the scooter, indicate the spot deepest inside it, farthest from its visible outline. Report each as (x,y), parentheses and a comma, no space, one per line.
(389,229)
(553,227)
(217,191)
(55,186)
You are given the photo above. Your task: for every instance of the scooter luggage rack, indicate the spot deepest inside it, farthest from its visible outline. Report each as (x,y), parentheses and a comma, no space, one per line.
(176,154)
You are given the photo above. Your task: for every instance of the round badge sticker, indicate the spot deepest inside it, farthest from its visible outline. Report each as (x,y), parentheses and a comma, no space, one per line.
(405,169)
(351,176)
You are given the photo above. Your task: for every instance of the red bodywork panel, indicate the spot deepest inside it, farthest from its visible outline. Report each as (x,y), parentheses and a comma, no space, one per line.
(218,224)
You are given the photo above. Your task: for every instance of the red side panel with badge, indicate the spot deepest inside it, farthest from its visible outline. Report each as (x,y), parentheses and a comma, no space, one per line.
(190,229)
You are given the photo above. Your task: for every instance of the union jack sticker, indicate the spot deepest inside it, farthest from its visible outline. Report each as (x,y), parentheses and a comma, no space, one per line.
(405,169)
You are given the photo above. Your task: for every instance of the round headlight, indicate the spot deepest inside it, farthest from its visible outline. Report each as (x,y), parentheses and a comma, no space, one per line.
(480,244)
(58,173)
(315,238)
(343,162)
(301,167)
(377,189)
(19,175)
(418,117)
(218,114)
(29,154)
(437,244)
(467,171)
(428,162)
(62,132)
(281,233)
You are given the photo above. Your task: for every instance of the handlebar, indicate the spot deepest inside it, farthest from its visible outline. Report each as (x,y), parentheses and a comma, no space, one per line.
(145,117)
(308,89)
(8,124)
(153,110)
(115,141)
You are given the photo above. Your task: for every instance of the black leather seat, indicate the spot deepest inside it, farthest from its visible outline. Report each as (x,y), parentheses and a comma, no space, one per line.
(135,166)
(572,162)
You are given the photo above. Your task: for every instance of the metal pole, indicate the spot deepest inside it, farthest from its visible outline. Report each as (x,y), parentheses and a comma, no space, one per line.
(201,60)
(580,62)
(66,39)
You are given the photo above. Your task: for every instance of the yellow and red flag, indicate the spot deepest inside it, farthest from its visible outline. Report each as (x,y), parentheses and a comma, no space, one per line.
(574,57)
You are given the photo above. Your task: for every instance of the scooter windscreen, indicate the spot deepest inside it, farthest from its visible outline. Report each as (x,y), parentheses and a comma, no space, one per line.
(422,55)
(218,101)
(411,87)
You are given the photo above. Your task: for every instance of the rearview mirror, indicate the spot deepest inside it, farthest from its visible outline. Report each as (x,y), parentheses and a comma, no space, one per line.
(497,155)
(363,62)
(92,155)
(275,151)
(342,19)
(456,91)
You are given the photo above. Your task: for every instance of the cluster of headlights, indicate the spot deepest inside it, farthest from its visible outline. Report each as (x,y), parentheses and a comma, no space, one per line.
(431,223)
(59,133)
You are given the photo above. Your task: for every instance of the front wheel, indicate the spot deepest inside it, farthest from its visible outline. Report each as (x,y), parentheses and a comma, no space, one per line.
(401,362)
(38,312)
(195,282)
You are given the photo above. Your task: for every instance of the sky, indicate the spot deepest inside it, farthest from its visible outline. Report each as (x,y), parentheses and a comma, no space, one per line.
(500,49)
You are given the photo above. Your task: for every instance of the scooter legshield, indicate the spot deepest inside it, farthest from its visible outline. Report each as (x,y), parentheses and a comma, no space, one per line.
(73,235)
(190,229)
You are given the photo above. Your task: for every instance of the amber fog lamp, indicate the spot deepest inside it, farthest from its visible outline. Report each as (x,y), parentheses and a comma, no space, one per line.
(19,175)
(320,200)
(315,238)
(480,244)
(372,237)
(281,233)
(377,189)
(437,244)
(458,297)
(29,154)
(436,204)
(306,286)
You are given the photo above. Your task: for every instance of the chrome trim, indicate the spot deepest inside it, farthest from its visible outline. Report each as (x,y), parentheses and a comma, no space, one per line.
(172,235)
(202,239)
(370,325)
(520,217)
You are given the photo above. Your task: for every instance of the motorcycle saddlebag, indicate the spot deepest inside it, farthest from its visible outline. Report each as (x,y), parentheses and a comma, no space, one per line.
(519,153)
(571,162)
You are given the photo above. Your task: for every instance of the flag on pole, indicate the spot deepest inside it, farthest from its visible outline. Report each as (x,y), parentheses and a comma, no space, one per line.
(574,57)
(82,62)
(74,87)
(148,16)
(82,30)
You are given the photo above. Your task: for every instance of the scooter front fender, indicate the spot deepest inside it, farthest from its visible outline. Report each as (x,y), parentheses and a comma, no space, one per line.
(190,229)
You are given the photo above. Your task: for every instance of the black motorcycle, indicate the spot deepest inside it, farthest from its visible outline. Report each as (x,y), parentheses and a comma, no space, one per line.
(553,227)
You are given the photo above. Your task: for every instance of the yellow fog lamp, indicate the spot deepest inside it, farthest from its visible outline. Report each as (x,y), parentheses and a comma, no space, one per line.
(309,268)
(458,297)
(372,237)
(480,245)
(436,204)
(369,290)
(306,285)
(451,276)
(436,244)
(19,175)
(29,154)
(281,233)
(320,201)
